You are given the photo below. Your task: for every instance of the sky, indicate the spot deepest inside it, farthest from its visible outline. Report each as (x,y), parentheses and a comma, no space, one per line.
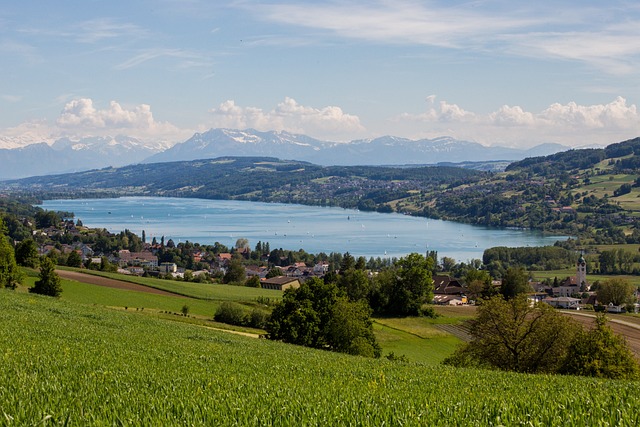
(505,72)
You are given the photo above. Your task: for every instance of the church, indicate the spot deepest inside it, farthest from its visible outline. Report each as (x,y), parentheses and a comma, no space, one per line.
(575,284)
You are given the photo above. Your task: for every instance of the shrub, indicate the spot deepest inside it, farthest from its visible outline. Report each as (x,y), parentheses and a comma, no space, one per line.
(231,313)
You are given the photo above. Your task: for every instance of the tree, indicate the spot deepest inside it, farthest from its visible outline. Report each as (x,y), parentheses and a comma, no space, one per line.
(350,329)
(274,272)
(514,282)
(355,283)
(252,282)
(236,272)
(10,274)
(348,262)
(601,353)
(411,286)
(514,335)
(49,281)
(242,243)
(74,259)
(447,263)
(317,315)
(27,253)
(615,291)
(478,283)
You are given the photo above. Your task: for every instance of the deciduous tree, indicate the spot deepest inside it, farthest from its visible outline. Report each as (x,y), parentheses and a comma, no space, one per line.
(515,335)
(10,274)
(514,282)
(27,253)
(601,353)
(411,286)
(615,291)
(318,315)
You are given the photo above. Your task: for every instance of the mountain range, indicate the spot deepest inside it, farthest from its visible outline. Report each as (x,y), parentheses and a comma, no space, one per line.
(66,155)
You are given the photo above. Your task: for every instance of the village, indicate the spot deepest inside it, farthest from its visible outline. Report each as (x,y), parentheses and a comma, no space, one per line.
(269,271)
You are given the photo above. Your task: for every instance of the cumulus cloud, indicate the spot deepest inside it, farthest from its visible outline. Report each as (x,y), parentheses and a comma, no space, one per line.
(571,124)
(81,118)
(326,122)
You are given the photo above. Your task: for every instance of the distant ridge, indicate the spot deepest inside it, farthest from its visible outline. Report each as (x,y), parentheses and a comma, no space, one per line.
(386,150)
(66,155)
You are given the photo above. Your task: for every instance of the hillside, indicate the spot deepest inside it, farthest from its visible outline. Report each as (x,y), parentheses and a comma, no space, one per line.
(253,178)
(138,370)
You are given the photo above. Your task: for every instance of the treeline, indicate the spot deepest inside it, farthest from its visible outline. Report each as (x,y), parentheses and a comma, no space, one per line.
(500,258)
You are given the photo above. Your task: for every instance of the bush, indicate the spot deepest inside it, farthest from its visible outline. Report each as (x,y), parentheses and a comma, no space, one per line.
(231,313)
(258,319)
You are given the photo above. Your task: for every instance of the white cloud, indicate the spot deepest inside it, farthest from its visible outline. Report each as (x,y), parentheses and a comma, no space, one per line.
(326,122)
(605,35)
(186,59)
(80,118)
(571,124)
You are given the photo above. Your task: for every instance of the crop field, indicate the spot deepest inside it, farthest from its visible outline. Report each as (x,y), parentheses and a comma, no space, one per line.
(195,290)
(66,363)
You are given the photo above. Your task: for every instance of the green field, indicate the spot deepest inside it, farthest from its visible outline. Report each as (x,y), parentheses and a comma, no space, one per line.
(73,364)
(416,338)
(205,291)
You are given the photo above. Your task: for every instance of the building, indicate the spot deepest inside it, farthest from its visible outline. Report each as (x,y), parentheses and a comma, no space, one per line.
(574,285)
(563,302)
(448,290)
(280,283)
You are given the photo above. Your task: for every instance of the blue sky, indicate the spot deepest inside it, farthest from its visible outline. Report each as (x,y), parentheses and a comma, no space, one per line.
(513,73)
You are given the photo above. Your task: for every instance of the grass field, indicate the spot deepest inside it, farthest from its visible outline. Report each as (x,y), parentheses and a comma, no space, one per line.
(416,338)
(205,291)
(72,364)
(591,278)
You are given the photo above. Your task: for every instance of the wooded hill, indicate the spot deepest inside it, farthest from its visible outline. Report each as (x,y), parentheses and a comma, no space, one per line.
(593,194)
(255,179)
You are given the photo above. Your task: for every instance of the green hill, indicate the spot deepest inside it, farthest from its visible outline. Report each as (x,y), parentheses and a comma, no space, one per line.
(64,363)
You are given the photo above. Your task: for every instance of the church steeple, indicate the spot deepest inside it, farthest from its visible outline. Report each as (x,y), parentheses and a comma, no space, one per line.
(581,273)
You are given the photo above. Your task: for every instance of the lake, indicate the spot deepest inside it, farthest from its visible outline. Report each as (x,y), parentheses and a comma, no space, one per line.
(314,229)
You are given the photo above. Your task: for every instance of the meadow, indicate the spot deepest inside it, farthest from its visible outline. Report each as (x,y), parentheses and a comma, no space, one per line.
(418,339)
(74,364)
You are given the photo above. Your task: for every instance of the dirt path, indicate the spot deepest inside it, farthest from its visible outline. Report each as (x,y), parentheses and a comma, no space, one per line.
(112,283)
(630,331)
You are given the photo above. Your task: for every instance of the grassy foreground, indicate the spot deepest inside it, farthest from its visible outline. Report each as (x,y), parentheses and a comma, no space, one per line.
(66,363)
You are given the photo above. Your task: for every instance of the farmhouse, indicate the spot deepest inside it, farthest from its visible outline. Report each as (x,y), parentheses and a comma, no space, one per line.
(448,290)
(280,283)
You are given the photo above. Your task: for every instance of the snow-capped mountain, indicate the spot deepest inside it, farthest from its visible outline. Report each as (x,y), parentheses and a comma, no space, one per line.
(387,150)
(232,142)
(71,155)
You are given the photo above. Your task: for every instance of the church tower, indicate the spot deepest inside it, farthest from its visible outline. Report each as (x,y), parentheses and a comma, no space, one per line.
(581,273)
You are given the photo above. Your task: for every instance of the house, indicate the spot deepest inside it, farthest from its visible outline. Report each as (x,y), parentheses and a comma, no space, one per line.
(445,285)
(168,267)
(321,268)
(137,270)
(254,270)
(563,302)
(143,259)
(280,283)
(442,299)
(223,258)
(448,291)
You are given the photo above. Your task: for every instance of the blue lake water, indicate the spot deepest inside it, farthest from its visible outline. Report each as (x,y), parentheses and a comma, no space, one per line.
(314,229)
